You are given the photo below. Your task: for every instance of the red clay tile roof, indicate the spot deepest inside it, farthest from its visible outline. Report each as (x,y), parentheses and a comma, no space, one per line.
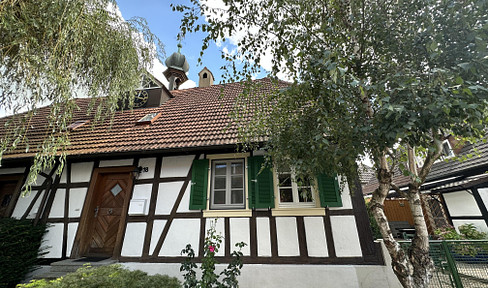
(197,117)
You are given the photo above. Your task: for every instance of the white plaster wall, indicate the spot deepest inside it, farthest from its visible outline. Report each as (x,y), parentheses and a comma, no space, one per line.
(57,209)
(17,170)
(134,239)
(219,230)
(35,208)
(115,163)
(176,166)
(316,239)
(22,204)
(286,232)
(76,200)
(181,233)
(263,237)
(185,202)
(53,241)
(72,228)
(167,194)
(64,176)
(158,227)
(461,203)
(142,191)
(40,179)
(239,232)
(345,195)
(81,172)
(478,223)
(150,164)
(296,276)
(484,195)
(345,234)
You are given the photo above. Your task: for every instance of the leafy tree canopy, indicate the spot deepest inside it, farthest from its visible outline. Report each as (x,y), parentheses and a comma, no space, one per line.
(367,74)
(54,51)
(386,79)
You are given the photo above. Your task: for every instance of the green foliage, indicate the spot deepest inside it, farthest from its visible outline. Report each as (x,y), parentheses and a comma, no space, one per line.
(367,75)
(469,231)
(447,233)
(209,277)
(466,232)
(112,276)
(19,249)
(54,51)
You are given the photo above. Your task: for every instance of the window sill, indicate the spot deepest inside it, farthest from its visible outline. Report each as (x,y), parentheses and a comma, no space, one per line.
(298,212)
(227,213)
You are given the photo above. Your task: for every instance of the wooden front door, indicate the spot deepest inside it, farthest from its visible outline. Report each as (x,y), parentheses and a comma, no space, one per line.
(108,206)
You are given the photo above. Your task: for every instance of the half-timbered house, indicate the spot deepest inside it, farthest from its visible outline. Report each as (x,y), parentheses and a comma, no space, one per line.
(140,189)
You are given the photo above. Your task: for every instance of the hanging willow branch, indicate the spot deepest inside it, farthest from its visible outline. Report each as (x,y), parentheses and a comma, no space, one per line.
(55,51)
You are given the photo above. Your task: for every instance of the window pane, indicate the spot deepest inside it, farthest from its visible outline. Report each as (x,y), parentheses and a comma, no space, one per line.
(219,197)
(303,182)
(237,182)
(237,168)
(286,195)
(219,182)
(237,197)
(305,194)
(284,180)
(220,168)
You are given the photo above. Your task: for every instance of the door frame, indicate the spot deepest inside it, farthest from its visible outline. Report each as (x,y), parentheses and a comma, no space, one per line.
(82,239)
(15,197)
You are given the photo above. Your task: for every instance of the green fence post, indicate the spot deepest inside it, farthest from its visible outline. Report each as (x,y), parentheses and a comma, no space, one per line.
(452,265)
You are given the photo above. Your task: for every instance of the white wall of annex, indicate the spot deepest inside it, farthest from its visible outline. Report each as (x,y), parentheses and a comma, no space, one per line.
(461,203)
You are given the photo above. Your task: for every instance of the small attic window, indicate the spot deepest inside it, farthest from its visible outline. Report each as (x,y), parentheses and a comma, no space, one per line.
(148,119)
(77,124)
(204,75)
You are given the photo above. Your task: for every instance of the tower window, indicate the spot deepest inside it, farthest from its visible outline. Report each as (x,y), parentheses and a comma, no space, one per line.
(204,75)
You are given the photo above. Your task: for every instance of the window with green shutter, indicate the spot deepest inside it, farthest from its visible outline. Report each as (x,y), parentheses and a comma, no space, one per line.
(329,191)
(199,184)
(261,189)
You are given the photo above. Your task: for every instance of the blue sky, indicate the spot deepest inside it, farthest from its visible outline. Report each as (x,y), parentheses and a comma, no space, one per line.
(165,23)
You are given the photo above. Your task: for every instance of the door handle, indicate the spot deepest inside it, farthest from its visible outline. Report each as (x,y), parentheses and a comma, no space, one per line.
(110,211)
(96,211)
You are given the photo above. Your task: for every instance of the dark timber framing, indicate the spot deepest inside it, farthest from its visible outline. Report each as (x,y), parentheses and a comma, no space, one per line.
(371,252)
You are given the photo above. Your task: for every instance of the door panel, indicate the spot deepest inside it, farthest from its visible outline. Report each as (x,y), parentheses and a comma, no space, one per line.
(110,195)
(7,190)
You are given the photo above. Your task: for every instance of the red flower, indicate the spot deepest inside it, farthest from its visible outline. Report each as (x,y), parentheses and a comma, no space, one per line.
(211,248)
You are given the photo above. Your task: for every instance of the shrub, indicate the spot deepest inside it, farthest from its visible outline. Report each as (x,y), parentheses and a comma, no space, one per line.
(209,278)
(19,249)
(112,276)
(467,232)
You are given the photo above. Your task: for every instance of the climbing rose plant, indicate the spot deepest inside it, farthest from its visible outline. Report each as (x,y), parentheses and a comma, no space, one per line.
(210,278)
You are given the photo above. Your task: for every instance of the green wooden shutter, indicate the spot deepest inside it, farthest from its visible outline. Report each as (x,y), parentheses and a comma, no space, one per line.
(329,191)
(261,190)
(199,184)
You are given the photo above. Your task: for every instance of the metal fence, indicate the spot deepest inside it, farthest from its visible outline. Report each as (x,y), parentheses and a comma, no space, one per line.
(459,263)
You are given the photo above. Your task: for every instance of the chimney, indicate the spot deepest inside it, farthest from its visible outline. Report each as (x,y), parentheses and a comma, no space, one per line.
(206,78)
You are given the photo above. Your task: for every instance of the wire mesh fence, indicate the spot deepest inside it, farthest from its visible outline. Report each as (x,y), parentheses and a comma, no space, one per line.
(459,263)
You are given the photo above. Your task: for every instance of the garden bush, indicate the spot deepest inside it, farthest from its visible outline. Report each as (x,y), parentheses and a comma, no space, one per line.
(112,276)
(19,249)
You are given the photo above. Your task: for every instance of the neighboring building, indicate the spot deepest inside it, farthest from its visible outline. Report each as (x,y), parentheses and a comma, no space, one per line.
(455,192)
(142,188)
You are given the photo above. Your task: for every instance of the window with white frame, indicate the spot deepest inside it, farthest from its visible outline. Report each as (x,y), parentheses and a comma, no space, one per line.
(227,184)
(292,190)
